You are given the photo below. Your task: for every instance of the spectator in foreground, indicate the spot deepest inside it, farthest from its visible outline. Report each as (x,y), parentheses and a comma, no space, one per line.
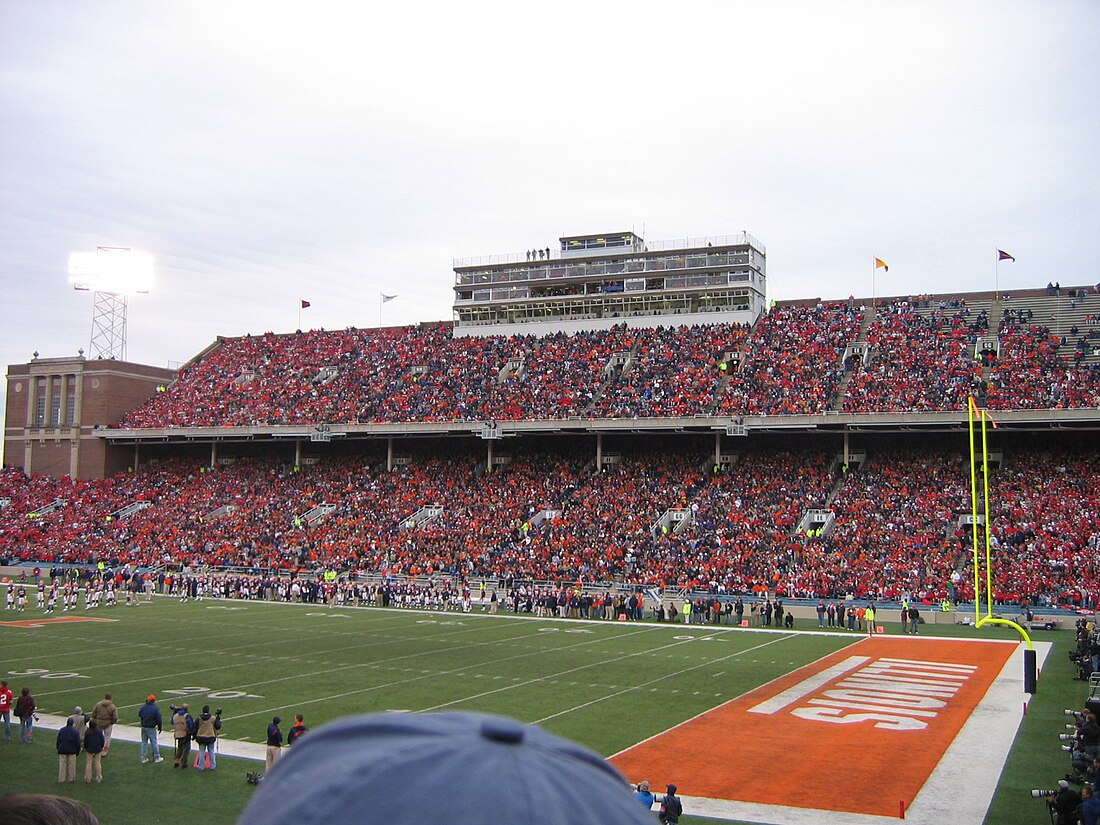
(40,809)
(410,769)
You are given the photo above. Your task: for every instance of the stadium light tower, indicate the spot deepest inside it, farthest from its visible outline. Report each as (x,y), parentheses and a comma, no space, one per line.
(112,273)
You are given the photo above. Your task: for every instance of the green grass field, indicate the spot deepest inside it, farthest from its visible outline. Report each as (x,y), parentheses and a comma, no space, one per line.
(607,685)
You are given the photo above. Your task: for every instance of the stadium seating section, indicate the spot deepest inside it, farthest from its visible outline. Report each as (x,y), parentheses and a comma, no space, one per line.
(897,528)
(550,514)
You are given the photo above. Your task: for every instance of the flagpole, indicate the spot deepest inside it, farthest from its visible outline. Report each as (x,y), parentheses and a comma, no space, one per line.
(874,266)
(299,313)
(997,274)
(380,310)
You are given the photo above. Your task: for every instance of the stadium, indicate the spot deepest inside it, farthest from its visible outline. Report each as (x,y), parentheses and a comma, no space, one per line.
(586,502)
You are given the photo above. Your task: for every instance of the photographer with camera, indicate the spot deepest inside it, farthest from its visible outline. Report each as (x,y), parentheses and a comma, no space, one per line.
(183,728)
(1085,740)
(206,735)
(1064,804)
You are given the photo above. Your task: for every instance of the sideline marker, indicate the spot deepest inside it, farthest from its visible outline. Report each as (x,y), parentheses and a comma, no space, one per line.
(901,809)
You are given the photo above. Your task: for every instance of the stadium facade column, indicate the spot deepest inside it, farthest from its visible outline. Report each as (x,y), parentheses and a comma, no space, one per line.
(78,419)
(599,451)
(297,452)
(389,454)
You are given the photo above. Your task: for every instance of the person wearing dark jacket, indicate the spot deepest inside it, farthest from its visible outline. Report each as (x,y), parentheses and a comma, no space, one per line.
(1089,810)
(1064,804)
(151,725)
(296,730)
(68,746)
(274,742)
(94,745)
(24,710)
(671,807)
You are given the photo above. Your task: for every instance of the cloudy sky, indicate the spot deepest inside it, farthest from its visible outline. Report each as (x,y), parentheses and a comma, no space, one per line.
(265,152)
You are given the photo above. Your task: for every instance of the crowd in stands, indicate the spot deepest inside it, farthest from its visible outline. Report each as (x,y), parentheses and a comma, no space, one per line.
(794,361)
(1039,370)
(554,517)
(919,362)
(922,356)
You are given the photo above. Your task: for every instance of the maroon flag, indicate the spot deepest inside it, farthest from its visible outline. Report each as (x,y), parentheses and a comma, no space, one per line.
(1004,256)
(305,304)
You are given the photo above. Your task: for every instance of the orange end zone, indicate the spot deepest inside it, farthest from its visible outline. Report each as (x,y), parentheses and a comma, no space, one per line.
(58,620)
(854,732)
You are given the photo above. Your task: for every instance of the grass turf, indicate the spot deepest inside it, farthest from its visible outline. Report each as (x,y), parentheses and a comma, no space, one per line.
(607,685)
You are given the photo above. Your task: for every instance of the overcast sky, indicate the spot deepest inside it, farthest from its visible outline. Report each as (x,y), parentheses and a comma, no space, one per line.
(265,152)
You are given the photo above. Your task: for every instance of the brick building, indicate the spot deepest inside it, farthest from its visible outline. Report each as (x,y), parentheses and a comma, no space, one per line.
(56,407)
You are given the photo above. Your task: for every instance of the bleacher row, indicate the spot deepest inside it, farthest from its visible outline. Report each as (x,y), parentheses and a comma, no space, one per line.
(552,516)
(908,355)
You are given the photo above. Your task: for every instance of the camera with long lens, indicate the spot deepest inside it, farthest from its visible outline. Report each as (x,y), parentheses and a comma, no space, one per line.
(1076,714)
(1042,793)
(1067,737)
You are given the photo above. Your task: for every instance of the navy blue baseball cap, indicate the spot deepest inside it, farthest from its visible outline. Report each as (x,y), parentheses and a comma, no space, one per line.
(423,768)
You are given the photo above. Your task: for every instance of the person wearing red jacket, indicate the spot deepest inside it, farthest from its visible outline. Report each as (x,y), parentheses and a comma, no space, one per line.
(6,697)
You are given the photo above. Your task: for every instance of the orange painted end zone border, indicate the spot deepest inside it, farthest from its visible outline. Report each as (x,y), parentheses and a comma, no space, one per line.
(777,745)
(58,620)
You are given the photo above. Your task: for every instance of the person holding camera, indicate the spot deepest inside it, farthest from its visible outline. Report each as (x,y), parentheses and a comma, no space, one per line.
(183,728)
(1064,804)
(206,735)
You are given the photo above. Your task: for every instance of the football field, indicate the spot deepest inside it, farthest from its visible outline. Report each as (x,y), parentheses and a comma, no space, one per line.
(715,709)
